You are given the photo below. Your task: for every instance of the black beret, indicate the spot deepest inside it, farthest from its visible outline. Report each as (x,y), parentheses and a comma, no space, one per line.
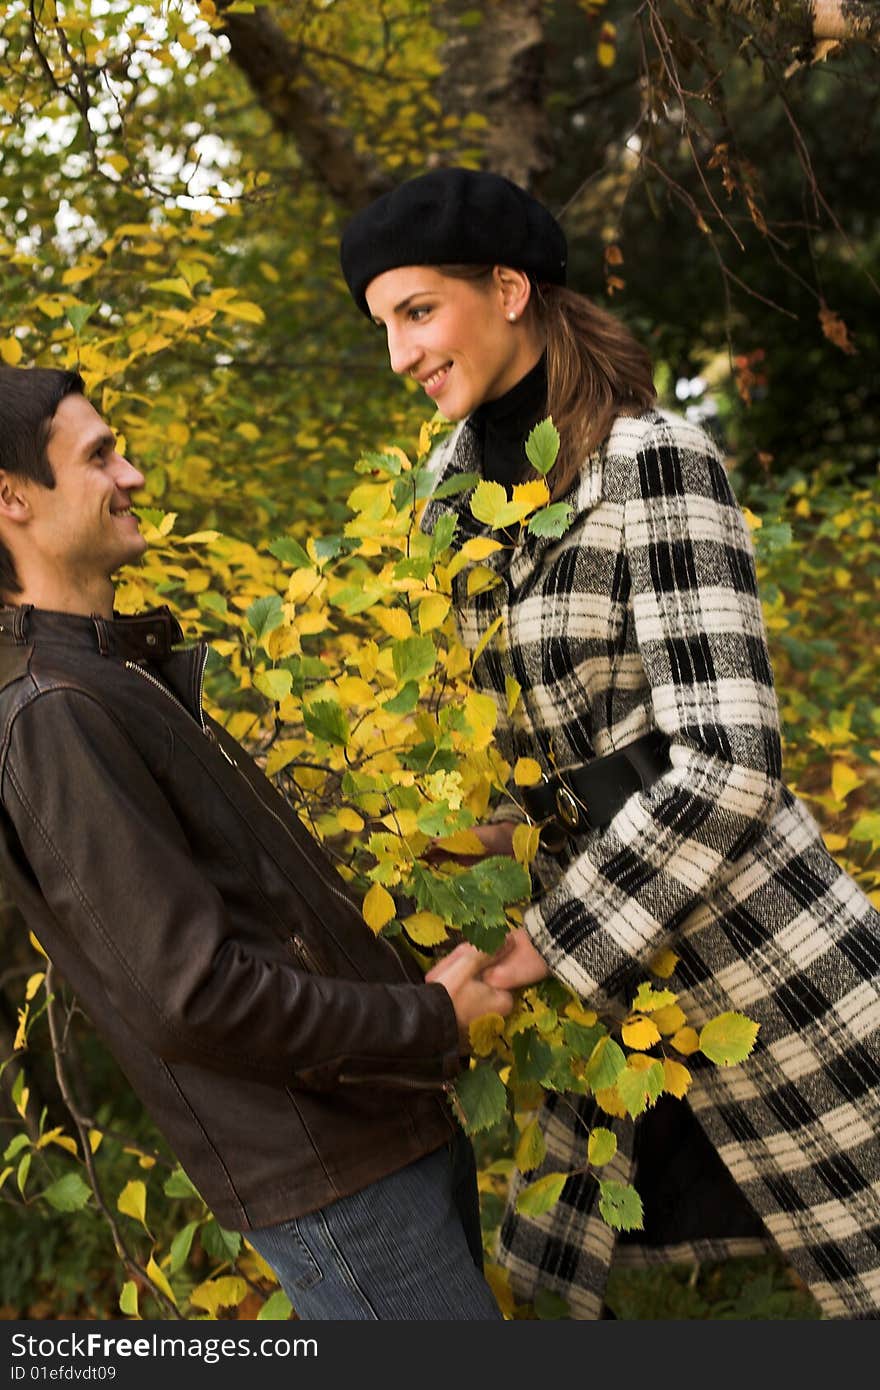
(452,217)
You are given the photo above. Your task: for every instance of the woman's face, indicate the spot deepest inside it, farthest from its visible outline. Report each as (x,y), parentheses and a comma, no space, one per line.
(455,337)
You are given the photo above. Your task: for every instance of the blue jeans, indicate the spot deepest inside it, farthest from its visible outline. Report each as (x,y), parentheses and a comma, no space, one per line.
(404,1248)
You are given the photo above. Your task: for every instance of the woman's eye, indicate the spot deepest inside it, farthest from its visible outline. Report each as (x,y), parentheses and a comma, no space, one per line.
(418,310)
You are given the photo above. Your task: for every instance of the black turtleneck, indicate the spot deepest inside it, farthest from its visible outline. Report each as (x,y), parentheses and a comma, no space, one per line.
(503,425)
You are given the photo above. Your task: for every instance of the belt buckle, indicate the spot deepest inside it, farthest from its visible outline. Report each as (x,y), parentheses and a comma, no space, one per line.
(567,809)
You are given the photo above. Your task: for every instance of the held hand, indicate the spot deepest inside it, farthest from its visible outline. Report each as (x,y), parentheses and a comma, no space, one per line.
(459,973)
(496,836)
(516,964)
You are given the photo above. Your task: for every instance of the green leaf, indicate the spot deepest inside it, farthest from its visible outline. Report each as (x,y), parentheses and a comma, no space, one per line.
(290,552)
(389,464)
(459,482)
(443,534)
(78,315)
(180,1246)
(179,1185)
(867,828)
(550,1306)
(552,521)
(648,999)
(482,1097)
(508,880)
(128,1299)
(606,1063)
(582,1039)
(15,1146)
(412,567)
(413,658)
(621,1206)
(601,1146)
(326,719)
(531,1055)
(540,1196)
(69,1193)
(277,1308)
(24,1167)
(728,1039)
(264,615)
(638,1089)
(404,702)
(219,1244)
(275,685)
(542,446)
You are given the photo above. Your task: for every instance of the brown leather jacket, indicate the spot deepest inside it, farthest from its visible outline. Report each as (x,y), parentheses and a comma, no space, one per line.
(288,1055)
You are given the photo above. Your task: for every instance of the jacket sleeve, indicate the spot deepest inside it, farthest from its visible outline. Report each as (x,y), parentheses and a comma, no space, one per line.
(129,906)
(700,637)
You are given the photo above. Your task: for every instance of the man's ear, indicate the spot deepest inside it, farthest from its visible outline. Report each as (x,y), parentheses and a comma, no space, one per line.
(14,503)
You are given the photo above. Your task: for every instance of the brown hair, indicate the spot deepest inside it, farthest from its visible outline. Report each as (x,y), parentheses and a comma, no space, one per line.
(29,397)
(596,370)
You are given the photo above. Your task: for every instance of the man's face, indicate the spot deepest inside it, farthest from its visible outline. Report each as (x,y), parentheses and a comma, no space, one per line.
(82,528)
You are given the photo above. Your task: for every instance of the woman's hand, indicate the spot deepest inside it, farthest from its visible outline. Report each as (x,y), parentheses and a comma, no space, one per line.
(516,964)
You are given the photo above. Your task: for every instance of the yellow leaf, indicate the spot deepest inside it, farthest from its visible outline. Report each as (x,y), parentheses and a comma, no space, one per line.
(484,1033)
(664,963)
(526,840)
(248,430)
(10,351)
(609,1100)
(578,1014)
(527,772)
(269,272)
(425,928)
(96,1138)
(352,690)
(531,1149)
(349,819)
(686,1041)
(245,310)
(432,611)
(834,843)
(640,1032)
(605,52)
(753,522)
(512,692)
(161,1282)
(669,1019)
(378,907)
(394,621)
(676,1078)
(33,984)
(480,547)
(132,1201)
(487,636)
(56,1136)
(844,780)
(461,842)
(20,1040)
(480,578)
(534,494)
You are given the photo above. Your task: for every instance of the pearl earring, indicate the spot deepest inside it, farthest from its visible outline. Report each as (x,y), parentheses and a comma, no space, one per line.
(512,317)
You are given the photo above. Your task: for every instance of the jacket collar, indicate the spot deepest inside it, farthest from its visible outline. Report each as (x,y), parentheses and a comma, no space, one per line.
(149,636)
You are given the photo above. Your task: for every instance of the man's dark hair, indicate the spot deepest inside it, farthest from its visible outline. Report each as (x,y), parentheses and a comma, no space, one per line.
(29,397)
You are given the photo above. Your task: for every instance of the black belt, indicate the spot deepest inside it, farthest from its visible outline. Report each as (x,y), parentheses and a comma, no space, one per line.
(588,796)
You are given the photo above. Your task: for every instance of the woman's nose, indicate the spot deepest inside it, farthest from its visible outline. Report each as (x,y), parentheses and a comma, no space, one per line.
(403,353)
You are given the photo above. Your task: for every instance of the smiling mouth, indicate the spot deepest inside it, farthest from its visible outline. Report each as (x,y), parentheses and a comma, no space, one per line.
(124,511)
(434,380)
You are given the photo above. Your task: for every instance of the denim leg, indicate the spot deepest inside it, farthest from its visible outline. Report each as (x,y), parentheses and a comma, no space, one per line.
(396,1250)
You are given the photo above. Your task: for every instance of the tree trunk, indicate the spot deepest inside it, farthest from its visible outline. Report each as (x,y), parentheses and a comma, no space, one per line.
(496,69)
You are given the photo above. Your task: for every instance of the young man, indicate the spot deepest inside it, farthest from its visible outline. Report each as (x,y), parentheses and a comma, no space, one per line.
(295,1063)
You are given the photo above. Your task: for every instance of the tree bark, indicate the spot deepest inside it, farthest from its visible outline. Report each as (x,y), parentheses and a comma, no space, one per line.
(496,69)
(300,108)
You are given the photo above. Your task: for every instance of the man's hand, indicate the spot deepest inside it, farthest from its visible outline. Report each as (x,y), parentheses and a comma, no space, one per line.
(459,973)
(516,964)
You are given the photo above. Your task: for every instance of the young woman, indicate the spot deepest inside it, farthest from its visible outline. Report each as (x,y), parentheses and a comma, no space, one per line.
(638,643)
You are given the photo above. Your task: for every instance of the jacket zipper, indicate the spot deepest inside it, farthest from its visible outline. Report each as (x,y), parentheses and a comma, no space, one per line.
(406,1081)
(133,666)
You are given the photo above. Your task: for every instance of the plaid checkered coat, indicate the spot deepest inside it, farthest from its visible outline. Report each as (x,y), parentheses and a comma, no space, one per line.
(645,614)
